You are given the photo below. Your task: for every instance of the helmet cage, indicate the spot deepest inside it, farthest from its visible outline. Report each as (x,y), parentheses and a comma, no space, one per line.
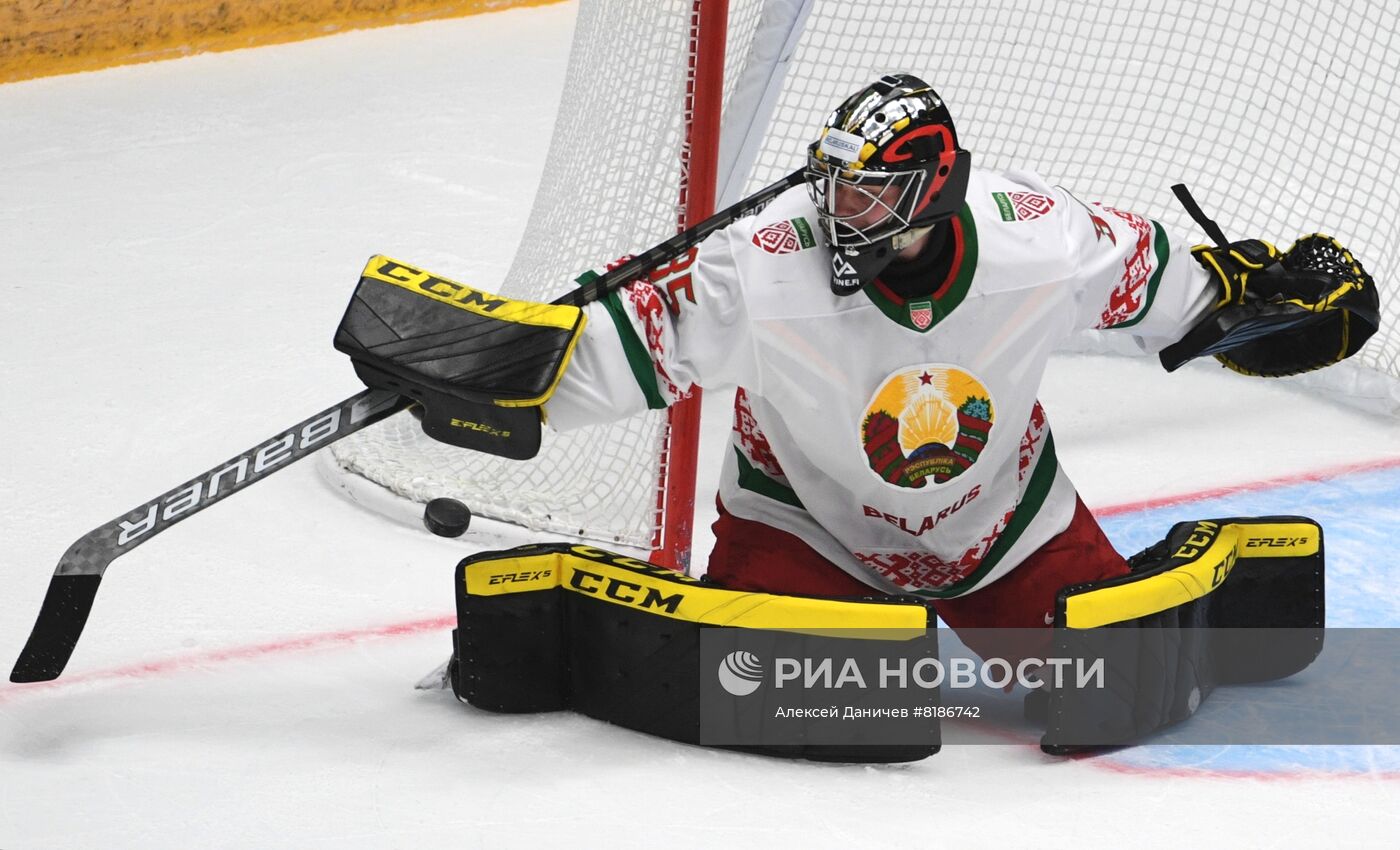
(859,207)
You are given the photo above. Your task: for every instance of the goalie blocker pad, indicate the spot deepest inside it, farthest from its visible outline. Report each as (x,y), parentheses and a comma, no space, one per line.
(566,627)
(1218,602)
(481,365)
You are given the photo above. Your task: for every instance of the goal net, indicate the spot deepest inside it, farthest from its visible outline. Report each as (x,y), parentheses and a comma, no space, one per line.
(1281,115)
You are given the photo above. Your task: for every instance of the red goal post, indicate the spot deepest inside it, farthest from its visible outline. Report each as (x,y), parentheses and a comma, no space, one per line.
(704,102)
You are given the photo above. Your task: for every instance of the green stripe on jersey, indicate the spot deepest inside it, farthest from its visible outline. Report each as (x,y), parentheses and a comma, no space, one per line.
(753,480)
(638,360)
(897,309)
(1161,246)
(1042,477)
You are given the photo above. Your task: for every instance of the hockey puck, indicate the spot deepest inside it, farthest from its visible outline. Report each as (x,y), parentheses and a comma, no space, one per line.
(447,517)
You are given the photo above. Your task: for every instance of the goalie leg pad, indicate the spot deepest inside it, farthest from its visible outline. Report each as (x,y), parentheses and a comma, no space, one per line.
(1218,602)
(557,626)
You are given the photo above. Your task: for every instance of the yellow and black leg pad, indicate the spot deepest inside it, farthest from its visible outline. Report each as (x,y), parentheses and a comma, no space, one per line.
(480,365)
(1218,602)
(557,627)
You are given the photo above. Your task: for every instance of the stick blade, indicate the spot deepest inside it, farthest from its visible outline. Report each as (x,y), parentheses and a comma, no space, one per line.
(61,619)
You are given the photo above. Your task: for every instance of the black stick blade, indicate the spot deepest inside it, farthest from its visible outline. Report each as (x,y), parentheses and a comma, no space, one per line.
(61,619)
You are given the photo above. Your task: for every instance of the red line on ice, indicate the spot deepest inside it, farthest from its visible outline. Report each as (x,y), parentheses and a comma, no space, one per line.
(202,660)
(1105,762)
(1324,474)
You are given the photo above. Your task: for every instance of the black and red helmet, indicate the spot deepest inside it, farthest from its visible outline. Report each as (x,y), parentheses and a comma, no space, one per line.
(887,163)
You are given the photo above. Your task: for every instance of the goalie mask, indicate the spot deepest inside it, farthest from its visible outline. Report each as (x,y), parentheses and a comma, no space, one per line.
(886,169)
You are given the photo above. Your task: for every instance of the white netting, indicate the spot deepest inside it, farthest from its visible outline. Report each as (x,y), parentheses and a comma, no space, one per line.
(1281,115)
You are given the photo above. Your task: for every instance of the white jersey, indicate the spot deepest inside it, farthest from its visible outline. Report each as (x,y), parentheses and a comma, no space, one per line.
(901,439)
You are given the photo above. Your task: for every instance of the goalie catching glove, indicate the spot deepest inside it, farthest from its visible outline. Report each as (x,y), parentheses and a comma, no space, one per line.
(481,365)
(1281,314)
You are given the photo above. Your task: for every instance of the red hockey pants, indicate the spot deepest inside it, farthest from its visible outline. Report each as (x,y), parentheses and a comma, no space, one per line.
(749,555)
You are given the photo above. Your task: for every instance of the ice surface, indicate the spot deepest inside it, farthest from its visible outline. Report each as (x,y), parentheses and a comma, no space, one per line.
(179,240)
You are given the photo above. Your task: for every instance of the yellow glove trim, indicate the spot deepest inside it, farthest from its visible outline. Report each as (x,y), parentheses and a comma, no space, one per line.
(560,316)
(476,301)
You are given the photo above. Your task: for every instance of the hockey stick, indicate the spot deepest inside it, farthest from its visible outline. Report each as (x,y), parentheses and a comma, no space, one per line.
(74,584)
(678,244)
(73,588)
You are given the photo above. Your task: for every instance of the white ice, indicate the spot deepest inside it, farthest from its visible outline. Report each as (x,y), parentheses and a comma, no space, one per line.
(177,243)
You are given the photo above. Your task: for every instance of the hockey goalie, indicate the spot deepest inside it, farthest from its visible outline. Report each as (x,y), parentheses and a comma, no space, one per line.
(887,325)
